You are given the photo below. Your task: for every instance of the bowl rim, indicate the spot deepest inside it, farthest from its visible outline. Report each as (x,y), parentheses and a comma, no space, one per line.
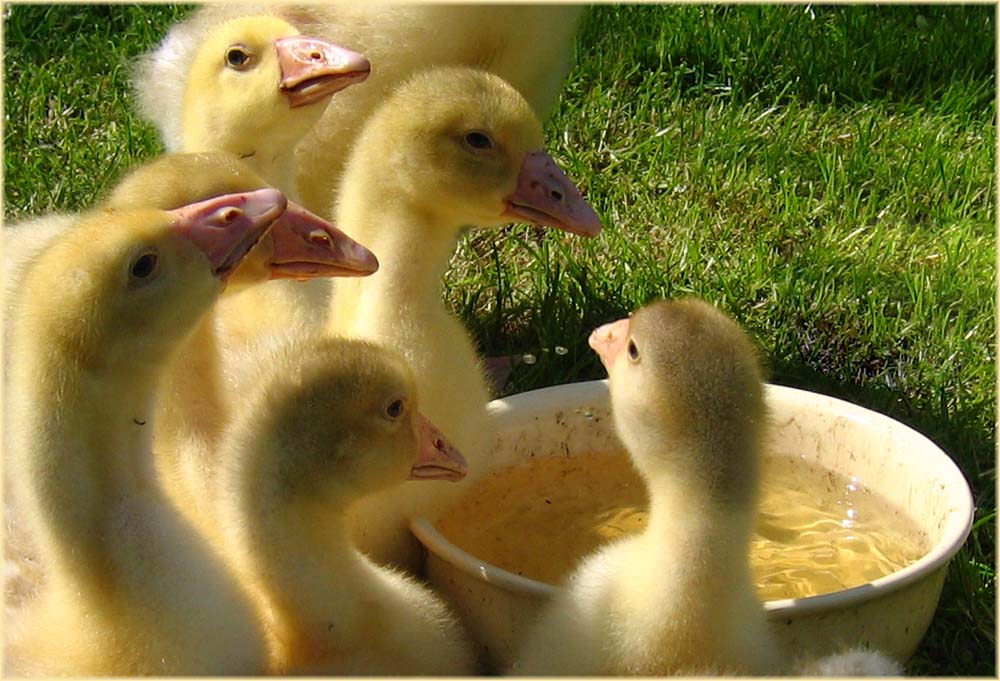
(953,536)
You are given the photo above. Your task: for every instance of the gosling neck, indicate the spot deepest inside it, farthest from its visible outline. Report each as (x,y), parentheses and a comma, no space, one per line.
(82,455)
(276,166)
(192,406)
(414,251)
(691,517)
(273,162)
(299,562)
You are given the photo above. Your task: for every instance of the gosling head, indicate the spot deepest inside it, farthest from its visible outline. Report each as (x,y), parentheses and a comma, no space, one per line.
(463,145)
(121,287)
(255,85)
(341,421)
(687,395)
(300,245)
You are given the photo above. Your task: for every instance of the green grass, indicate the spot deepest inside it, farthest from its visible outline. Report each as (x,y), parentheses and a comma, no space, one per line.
(825,174)
(68,129)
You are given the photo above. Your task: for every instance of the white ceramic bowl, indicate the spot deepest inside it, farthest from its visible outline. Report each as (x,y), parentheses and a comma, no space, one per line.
(891,613)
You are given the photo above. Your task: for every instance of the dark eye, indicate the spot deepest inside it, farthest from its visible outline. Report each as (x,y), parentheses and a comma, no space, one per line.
(238,57)
(478,140)
(144,266)
(633,351)
(395,409)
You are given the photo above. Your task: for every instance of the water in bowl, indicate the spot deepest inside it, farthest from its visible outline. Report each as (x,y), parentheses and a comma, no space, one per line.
(817,531)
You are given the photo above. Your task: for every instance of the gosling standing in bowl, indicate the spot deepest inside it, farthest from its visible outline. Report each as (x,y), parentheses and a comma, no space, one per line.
(687,400)
(688,403)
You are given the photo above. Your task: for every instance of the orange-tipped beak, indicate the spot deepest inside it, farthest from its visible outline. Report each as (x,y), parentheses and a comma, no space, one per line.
(305,246)
(437,459)
(312,69)
(227,227)
(609,340)
(546,196)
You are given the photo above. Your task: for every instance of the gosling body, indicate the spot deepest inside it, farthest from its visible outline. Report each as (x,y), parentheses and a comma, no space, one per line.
(452,147)
(130,588)
(687,401)
(331,422)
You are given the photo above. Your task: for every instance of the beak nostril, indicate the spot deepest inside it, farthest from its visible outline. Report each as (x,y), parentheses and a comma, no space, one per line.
(319,238)
(557,195)
(315,56)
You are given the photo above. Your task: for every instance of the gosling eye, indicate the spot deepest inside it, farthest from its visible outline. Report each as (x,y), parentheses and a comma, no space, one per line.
(239,57)
(144,268)
(633,351)
(395,409)
(476,139)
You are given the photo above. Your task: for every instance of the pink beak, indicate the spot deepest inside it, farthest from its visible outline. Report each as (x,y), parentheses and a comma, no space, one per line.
(437,459)
(609,340)
(312,69)
(546,196)
(227,227)
(305,246)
